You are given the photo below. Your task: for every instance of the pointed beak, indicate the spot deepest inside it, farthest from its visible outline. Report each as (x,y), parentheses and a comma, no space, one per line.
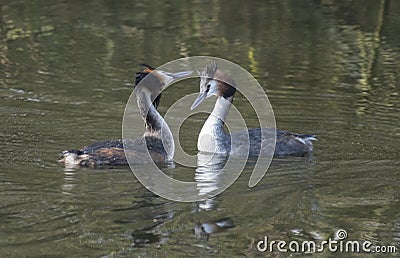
(202,96)
(167,78)
(180,74)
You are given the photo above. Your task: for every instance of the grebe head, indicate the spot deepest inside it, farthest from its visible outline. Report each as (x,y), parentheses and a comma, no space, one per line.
(156,81)
(214,82)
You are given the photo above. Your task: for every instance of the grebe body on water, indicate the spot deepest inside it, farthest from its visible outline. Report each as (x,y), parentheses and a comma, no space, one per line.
(213,137)
(148,86)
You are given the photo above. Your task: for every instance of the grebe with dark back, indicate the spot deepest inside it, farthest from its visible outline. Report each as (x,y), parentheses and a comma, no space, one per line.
(148,86)
(214,139)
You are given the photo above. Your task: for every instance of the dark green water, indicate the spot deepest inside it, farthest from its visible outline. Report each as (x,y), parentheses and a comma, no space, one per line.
(67,69)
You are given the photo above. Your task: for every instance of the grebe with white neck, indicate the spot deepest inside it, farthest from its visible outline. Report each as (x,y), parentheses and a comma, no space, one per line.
(157,140)
(213,137)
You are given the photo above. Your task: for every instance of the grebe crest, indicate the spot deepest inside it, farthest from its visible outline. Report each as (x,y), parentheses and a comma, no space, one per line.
(214,82)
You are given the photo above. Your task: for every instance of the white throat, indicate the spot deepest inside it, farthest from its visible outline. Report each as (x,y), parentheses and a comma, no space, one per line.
(212,137)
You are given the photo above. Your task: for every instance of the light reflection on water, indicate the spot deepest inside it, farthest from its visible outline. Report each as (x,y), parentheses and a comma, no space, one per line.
(329,68)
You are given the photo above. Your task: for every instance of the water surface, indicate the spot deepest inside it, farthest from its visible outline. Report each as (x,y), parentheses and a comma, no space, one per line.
(329,68)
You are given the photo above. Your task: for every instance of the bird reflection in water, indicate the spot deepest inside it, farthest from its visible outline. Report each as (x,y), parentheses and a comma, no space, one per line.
(215,173)
(210,180)
(204,229)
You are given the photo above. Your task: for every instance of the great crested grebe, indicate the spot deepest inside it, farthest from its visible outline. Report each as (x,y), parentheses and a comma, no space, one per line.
(214,139)
(111,152)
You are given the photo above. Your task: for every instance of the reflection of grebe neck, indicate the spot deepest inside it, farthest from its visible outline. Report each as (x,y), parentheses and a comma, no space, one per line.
(154,122)
(212,137)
